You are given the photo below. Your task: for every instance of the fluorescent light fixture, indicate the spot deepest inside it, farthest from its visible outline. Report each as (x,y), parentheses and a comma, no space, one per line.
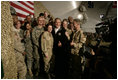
(80,16)
(74,4)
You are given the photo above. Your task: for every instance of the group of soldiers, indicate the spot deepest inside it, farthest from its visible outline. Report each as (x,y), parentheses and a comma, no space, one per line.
(49,48)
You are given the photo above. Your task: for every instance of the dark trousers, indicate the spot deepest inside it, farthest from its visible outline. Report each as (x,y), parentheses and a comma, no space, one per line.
(75,69)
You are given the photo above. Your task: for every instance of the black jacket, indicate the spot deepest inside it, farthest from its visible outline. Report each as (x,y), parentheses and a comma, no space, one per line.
(60,36)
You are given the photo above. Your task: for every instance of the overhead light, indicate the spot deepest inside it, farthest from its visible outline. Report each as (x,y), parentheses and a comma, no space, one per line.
(80,16)
(74,4)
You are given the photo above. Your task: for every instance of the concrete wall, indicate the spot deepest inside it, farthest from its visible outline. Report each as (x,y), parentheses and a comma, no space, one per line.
(63,9)
(39,8)
(7,51)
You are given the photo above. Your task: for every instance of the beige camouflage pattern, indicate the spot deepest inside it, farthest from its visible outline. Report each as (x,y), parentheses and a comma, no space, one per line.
(36,33)
(28,50)
(47,46)
(19,49)
(78,38)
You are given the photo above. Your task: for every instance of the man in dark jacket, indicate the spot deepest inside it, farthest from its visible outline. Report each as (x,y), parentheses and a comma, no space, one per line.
(60,40)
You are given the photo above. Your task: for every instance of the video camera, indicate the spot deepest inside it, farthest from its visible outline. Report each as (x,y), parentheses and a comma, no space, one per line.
(105,29)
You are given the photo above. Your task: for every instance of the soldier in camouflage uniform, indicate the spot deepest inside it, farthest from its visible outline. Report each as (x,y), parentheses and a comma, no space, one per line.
(46,17)
(19,51)
(77,41)
(28,47)
(47,46)
(36,34)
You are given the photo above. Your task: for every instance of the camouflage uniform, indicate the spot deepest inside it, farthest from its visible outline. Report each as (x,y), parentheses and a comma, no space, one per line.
(21,33)
(69,31)
(46,20)
(28,50)
(19,49)
(36,34)
(78,38)
(47,46)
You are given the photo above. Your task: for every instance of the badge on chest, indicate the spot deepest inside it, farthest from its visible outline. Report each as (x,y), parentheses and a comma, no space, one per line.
(59,34)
